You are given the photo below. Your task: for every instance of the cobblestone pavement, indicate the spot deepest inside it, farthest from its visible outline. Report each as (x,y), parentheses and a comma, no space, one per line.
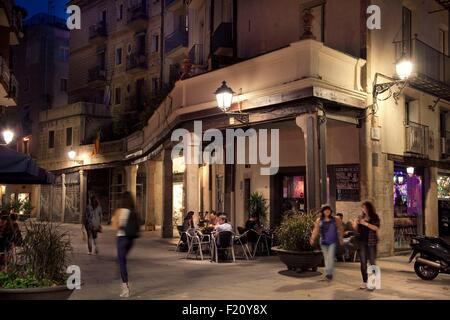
(158,272)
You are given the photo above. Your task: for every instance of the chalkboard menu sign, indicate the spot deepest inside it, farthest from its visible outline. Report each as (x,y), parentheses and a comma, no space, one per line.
(347,183)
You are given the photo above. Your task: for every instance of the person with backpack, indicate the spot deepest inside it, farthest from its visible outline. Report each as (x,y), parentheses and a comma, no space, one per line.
(126,222)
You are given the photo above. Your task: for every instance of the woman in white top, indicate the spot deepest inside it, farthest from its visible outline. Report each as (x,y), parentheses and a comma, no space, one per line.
(126,223)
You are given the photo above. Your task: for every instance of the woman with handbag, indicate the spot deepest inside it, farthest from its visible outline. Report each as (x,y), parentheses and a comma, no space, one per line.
(92,223)
(367,226)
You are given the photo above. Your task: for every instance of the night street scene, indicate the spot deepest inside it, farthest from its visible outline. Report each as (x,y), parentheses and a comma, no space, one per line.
(237,151)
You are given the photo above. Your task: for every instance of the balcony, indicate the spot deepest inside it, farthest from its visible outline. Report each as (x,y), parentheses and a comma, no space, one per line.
(445,145)
(222,40)
(444,3)
(137,62)
(416,138)
(138,15)
(432,67)
(8,85)
(176,43)
(97,31)
(173,5)
(97,74)
(196,55)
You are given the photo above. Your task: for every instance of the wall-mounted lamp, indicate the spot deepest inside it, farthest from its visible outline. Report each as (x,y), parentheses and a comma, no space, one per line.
(224,96)
(404,69)
(8,136)
(72,154)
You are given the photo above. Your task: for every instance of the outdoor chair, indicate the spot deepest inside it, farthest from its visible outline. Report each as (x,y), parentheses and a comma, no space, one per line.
(196,241)
(183,237)
(224,243)
(242,240)
(262,239)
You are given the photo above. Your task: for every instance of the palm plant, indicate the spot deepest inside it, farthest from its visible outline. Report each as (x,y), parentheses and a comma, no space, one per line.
(258,206)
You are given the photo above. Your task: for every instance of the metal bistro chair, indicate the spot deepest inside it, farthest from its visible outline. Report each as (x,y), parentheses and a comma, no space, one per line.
(182,237)
(226,244)
(242,240)
(196,241)
(263,240)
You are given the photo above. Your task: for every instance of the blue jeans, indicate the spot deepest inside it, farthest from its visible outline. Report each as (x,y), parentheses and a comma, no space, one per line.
(329,254)
(124,245)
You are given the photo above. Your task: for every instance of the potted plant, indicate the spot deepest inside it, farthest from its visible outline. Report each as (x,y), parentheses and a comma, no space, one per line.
(257,205)
(293,239)
(26,208)
(39,270)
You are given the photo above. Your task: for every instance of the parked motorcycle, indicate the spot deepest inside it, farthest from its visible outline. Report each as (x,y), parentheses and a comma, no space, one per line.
(434,256)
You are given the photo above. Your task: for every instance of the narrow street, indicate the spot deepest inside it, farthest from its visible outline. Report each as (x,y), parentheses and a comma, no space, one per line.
(158,272)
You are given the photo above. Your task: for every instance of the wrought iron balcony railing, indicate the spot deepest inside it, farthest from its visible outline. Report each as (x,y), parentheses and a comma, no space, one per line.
(417,137)
(97,74)
(97,30)
(178,38)
(135,61)
(431,67)
(8,79)
(445,144)
(196,55)
(138,11)
(222,37)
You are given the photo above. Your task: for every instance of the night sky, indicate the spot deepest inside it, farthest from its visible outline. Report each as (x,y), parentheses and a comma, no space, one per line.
(36,6)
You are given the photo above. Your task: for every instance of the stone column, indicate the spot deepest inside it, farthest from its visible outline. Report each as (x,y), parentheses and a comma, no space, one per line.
(150,217)
(83,194)
(167,193)
(191,189)
(131,176)
(431,213)
(315,155)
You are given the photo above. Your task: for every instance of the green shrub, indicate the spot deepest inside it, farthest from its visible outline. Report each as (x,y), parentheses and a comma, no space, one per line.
(295,230)
(258,206)
(43,259)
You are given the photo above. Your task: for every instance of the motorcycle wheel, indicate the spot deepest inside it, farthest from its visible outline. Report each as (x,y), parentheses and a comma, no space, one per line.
(425,272)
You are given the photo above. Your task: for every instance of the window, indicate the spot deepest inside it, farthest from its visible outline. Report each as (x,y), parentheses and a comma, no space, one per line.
(120,12)
(69,140)
(118,56)
(155,43)
(26,146)
(64,85)
(118,96)
(406,31)
(63,53)
(51,139)
(26,84)
(155,85)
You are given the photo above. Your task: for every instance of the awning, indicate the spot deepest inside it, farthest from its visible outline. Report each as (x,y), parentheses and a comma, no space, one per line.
(19,168)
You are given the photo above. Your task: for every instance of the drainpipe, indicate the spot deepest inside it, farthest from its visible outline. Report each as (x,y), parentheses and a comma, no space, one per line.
(161,47)
(235,29)
(211,32)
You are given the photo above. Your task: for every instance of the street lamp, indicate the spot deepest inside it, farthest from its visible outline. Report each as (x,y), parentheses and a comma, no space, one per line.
(72,154)
(224,96)
(8,136)
(404,69)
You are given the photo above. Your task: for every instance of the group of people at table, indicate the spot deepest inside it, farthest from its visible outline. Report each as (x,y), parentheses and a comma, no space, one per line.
(212,224)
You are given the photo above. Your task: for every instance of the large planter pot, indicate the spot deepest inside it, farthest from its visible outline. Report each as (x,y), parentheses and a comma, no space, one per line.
(52,293)
(300,261)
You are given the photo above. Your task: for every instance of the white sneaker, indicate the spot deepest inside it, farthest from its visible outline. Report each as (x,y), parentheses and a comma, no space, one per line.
(125,291)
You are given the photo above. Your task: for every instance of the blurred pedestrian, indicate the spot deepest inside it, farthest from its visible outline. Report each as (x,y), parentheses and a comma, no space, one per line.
(126,222)
(92,223)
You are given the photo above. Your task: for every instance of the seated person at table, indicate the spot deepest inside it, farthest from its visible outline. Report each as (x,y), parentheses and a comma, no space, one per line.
(17,234)
(188,221)
(349,232)
(223,225)
(6,235)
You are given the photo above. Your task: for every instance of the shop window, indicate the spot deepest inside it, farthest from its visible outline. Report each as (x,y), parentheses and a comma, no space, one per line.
(408,206)
(293,192)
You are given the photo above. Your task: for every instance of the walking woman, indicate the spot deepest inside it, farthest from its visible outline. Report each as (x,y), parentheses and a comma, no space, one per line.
(125,221)
(367,226)
(331,235)
(92,223)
